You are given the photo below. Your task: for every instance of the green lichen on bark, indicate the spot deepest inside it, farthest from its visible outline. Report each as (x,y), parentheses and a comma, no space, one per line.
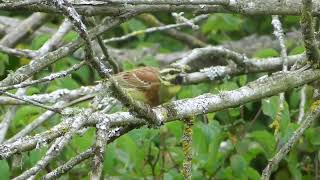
(170,110)
(187,149)
(312,51)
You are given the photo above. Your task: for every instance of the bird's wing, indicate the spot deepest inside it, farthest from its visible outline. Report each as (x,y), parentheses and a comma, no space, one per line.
(142,78)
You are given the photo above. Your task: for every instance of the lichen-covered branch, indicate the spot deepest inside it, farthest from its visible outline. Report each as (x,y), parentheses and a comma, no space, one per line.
(187,148)
(249,7)
(51,77)
(313,115)
(55,96)
(56,173)
(253,65)
(28,26)
(189,40)
(307,28)
(8,116)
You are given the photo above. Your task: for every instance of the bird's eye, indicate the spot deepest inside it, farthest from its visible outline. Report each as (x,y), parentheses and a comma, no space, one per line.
(177,80)
(171,73)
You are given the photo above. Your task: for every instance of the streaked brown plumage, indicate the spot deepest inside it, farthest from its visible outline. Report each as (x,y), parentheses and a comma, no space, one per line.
(145,84)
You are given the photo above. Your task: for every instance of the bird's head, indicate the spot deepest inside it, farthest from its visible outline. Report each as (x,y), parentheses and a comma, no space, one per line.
(171,76)
(171,81)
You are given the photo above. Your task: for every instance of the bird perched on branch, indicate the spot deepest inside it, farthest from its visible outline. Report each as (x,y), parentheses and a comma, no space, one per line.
(150,85)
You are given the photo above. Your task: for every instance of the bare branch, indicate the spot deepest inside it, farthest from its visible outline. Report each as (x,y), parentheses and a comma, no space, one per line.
(155,29)
(9,115)
(69,165)
(29,101)
(55,96)
(51,77)
(28,26)
(18,52)
(278,32)
(302,104)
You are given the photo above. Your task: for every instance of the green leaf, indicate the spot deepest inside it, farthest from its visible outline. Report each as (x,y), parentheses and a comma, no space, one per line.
(266,140)
(223,22)
(173,175)
(4,170)
(193,90)
(291,20)
(83,142)
(32,90)
(36,154)
(133,156)
(270,106)
(134,25)
(253,174)
(70,36)
(286,133)
(3,61)
(282,174)
(82,74)
(39,40)
(144,135)
(218,154)
(149,61)
(67,83)
(175,128)
(294,99)
(227,86)
(294,164)
(249,149)
(26,114)
(297,50)
(213,136)
(127,65)
(200,142)
(239,166)
(312,135)
(285,122)
(243,80)
(264,53)
(110,161)
(225,173)
(234,112)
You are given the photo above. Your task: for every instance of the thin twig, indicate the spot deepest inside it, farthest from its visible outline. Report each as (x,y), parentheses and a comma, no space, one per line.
(66,167)
(303,99)
(51,77)
(44,117)
(278,32)
(17,52)
(155,29)
(29,101)
(9,115)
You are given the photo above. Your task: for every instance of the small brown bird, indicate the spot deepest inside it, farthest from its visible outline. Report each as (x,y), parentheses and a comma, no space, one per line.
(149,85)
